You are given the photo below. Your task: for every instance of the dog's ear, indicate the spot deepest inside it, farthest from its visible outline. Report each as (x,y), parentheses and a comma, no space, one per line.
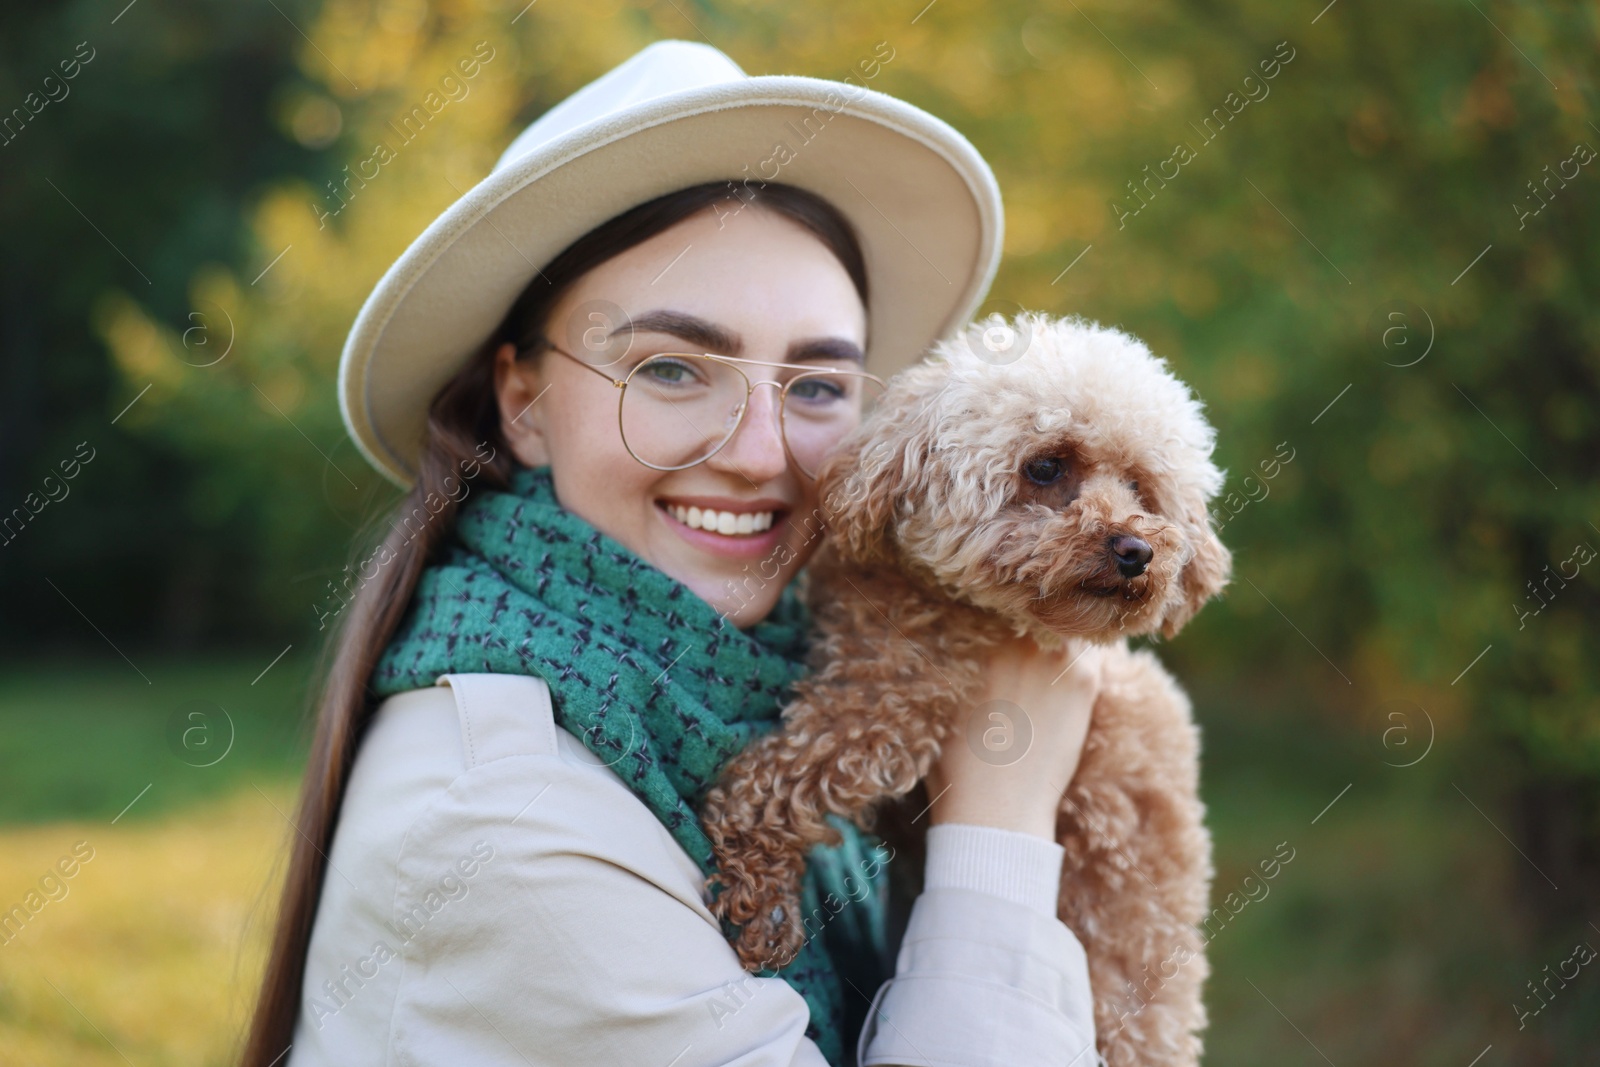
(1205,572)
(866,480)
(859,488)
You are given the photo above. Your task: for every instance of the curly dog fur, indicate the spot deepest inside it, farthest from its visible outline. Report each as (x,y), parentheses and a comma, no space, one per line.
(982,500)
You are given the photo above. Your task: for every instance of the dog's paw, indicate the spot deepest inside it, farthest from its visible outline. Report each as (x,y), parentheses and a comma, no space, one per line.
(771,940)
(767,919)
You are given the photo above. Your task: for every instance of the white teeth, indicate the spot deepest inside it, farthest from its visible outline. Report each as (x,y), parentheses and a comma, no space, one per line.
(728,523)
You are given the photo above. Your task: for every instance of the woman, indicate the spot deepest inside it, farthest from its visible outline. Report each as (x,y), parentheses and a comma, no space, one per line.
(585,607)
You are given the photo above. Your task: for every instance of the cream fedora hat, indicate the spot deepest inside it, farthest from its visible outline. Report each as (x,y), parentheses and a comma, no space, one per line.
(924,203)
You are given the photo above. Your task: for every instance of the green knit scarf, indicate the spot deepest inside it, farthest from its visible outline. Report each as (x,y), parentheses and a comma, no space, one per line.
(657,683)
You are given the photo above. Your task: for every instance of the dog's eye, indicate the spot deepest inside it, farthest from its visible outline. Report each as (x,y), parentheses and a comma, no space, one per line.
(1044,471)
(1134,485)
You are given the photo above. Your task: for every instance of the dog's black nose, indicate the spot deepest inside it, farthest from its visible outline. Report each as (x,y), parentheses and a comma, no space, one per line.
(1133,555)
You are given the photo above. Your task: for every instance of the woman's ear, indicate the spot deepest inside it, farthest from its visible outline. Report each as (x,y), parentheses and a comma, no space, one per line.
(516,387)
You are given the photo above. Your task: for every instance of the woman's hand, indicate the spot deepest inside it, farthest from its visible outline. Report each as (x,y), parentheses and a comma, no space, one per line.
(1007,764)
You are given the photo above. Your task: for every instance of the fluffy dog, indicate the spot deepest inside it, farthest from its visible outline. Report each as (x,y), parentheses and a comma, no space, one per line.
(1057,486)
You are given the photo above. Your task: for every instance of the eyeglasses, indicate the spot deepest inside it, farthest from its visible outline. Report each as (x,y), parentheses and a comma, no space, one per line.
(678,409)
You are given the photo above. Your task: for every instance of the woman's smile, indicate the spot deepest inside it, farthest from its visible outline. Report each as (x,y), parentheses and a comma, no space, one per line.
(732,529)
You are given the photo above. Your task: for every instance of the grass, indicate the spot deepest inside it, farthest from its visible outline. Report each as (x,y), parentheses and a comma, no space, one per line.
(152,952)
(1387,939)
(150,956)
(83,739)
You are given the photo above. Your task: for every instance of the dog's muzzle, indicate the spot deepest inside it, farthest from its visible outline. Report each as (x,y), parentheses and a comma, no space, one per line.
(1132,554)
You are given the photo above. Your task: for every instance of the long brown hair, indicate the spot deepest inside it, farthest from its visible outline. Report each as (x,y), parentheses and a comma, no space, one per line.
(462,417)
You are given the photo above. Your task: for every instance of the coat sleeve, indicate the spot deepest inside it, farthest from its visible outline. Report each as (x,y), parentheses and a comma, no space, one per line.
(986,976)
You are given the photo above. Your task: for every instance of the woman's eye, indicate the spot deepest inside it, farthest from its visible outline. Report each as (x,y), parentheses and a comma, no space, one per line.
(1044,471)
(668,371)
(816,389)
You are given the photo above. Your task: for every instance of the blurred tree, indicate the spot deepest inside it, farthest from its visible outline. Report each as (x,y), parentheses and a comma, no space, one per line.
(131,140)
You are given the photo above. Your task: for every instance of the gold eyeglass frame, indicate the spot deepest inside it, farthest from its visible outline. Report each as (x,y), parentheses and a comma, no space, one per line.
(744,406)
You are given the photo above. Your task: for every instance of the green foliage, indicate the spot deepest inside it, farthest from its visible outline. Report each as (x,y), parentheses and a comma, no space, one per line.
(129,183)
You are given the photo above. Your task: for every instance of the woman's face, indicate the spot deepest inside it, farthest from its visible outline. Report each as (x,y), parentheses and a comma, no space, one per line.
(750,284)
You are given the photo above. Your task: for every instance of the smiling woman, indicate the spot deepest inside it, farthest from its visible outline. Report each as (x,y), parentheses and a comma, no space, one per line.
(559,664)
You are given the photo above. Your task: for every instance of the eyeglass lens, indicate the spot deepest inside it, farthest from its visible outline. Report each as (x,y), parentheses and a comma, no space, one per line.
(678,409)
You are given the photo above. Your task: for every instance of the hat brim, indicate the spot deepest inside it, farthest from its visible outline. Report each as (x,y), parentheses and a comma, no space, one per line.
(923,201)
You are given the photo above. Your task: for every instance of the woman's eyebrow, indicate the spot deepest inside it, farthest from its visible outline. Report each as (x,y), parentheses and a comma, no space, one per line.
(824,348)
(714,338)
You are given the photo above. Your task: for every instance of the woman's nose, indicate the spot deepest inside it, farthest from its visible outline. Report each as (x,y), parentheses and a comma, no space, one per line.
(756,449)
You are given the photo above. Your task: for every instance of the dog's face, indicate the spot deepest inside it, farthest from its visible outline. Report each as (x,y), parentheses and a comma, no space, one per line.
(1067,489)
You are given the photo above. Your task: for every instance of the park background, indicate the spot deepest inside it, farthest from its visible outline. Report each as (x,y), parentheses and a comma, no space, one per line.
(1379,261)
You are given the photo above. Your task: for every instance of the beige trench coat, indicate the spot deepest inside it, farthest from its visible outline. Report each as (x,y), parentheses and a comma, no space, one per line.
(496,895)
